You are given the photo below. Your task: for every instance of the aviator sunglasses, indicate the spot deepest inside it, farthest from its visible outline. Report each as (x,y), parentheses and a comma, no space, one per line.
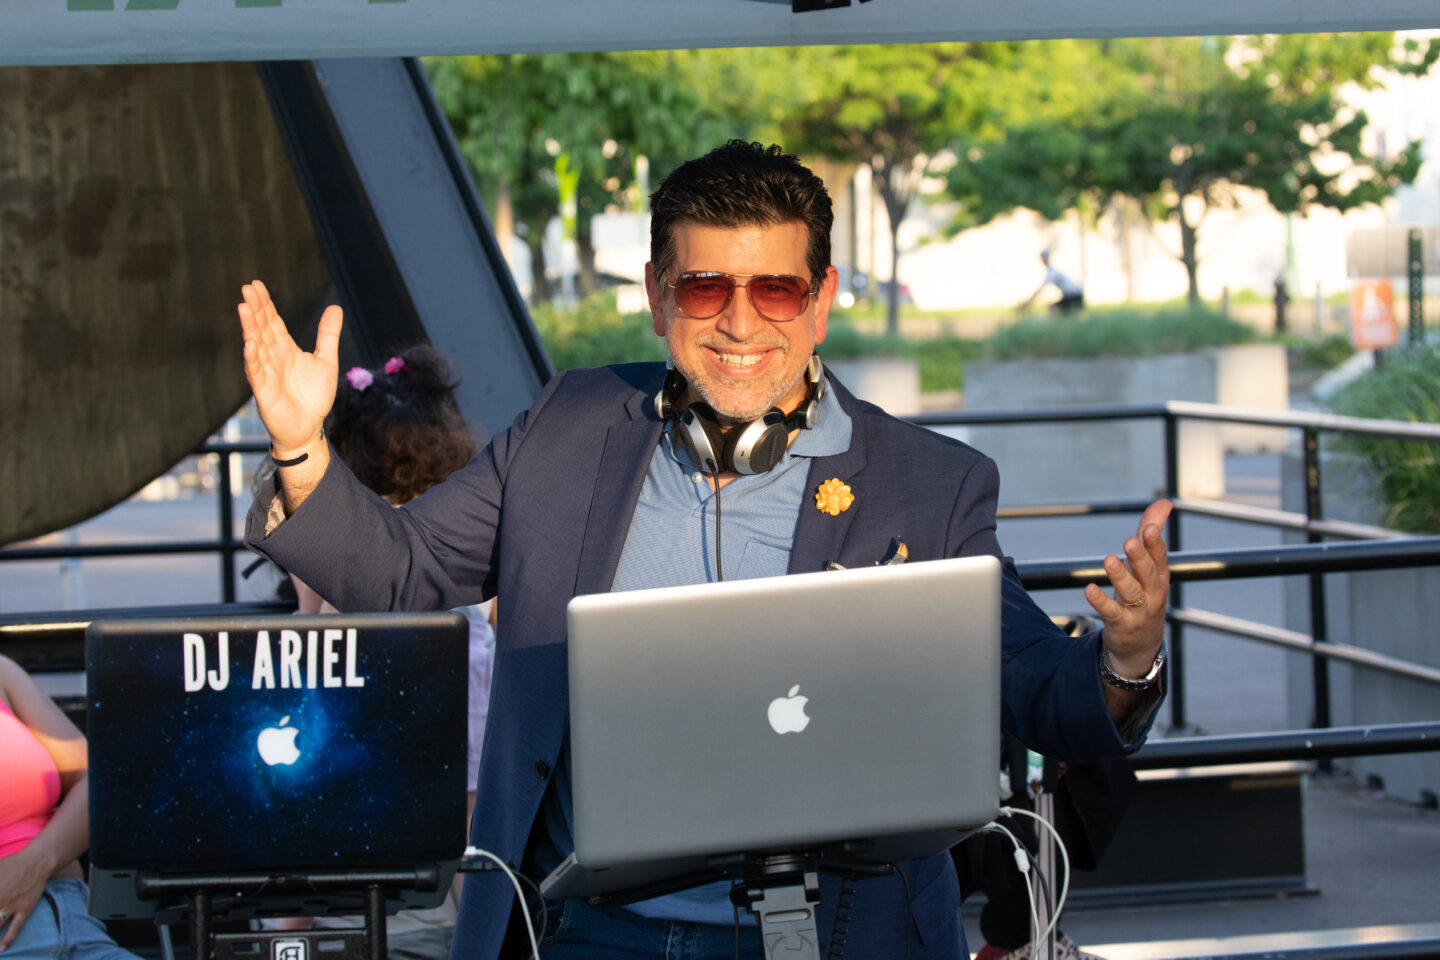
(777,297)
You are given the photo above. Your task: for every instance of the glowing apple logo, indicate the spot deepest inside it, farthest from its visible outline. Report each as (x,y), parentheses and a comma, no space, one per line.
(787,713)
(277,744)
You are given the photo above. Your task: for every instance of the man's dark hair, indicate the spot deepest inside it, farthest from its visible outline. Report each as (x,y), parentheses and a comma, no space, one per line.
(741,184)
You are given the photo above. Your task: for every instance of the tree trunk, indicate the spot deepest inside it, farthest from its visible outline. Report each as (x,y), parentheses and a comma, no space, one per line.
(1127,251)
(540,291)
(1187,257)
(585,257)
(505,221)
(892,305)
(897,200)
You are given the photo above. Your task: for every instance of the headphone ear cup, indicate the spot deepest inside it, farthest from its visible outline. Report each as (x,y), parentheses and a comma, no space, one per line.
(669,395)
(758,445)
(701,438)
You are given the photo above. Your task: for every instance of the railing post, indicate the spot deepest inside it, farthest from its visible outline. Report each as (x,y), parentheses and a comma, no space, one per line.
(1176,658)
(226,501)
(1320,670)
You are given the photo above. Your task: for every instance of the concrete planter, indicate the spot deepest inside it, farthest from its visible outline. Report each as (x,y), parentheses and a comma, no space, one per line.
(891,383)
(1066,462)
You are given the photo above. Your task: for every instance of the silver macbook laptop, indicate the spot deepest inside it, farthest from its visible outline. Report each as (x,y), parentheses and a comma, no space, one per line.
(274,745)
(852,711)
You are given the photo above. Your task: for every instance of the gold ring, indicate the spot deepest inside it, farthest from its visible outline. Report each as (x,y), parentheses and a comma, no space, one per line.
(1136,603)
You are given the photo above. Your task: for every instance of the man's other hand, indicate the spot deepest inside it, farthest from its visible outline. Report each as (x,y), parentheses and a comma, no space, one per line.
(1135,615)
(294,390)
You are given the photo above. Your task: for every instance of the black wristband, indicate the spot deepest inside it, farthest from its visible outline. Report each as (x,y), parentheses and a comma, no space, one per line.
(288,463)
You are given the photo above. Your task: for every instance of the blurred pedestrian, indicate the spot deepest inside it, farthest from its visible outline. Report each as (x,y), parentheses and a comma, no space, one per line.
(1072,295)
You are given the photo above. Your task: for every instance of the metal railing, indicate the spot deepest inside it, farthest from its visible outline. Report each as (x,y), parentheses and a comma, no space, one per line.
(1379,547)
(226,544)
(1374,547)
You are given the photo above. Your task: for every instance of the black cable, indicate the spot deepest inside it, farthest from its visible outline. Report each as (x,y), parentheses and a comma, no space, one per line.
(715,475)
(1045,895)
(540,899)
(735,909)
(488,866)
(844,910)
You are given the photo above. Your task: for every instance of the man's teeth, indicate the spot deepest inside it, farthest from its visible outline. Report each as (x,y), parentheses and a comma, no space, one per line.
(740,359)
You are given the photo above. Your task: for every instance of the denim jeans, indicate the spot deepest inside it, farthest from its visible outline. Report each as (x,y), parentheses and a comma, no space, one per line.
(61,928)
(576,930)
(876,924)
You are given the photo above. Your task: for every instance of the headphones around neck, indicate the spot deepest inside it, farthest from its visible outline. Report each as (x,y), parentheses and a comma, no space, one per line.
(749,448)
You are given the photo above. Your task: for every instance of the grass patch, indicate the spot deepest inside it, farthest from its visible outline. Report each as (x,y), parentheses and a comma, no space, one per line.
(1125,332)
(941,359)
(594,333)
(1405,387)
(1325,353)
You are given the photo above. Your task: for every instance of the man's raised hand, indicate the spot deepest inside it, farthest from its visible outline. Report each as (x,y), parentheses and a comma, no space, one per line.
(1135,615)
(294,390)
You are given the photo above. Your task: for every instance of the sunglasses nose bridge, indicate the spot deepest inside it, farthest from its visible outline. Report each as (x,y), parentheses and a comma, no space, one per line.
(740,314)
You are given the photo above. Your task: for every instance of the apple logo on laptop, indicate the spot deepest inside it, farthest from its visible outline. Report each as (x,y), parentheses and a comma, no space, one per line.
(277,744)
(787,713)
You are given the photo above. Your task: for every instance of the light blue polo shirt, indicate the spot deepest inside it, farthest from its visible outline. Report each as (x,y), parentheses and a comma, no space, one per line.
(671,542)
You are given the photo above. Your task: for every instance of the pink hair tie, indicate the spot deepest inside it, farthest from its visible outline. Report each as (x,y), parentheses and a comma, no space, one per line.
(394,364)
(359,377)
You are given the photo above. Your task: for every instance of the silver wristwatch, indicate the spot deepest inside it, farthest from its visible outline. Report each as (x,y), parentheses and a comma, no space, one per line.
(1124,683)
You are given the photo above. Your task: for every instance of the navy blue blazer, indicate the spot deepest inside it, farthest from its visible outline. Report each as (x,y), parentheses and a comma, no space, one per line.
(541,515)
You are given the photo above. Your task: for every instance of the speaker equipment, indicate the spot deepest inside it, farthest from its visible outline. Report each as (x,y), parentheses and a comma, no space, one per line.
(750,447)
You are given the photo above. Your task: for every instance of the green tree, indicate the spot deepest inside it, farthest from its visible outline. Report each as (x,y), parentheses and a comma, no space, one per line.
(894,109)
(529,124)
(1183,124)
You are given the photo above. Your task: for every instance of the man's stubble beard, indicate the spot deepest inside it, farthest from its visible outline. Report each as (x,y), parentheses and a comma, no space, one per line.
(710,391)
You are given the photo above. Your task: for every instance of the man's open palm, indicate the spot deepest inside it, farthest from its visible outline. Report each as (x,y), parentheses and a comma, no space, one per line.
(294,390)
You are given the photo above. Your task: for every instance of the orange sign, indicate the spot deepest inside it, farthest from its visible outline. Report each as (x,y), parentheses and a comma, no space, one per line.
(1372,315)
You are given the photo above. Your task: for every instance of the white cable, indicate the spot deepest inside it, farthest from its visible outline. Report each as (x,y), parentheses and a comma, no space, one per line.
(1064,860)
(1022,863)
(519,894)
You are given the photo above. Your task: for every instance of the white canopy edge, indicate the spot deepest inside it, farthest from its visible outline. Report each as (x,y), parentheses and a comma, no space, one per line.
(141,31)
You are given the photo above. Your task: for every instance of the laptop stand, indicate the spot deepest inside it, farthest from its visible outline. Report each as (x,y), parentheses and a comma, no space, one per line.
(254,894)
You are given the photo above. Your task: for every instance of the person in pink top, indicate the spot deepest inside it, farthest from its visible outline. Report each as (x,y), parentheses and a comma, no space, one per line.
(44,827)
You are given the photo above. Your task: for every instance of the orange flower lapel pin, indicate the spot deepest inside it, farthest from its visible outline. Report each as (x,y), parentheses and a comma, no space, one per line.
(834,497)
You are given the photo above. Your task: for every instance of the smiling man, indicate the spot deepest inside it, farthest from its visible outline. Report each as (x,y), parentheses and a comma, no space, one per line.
(612,481)
(742,353)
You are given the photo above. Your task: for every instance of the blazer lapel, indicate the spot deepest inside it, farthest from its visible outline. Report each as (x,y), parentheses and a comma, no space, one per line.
(629,444)
(819,536)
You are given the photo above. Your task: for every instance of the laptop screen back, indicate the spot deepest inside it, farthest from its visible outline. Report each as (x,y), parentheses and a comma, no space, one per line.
(798,710)
(277,742)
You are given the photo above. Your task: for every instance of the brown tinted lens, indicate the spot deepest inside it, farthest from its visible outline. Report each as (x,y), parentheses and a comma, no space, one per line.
(702,295)
(779,297)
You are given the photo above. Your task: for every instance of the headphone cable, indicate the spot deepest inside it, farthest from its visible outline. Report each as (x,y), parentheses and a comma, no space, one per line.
(715,475)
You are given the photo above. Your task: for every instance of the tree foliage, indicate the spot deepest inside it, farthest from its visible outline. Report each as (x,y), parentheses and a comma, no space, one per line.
(894,109)
(527,122)
(1183,125)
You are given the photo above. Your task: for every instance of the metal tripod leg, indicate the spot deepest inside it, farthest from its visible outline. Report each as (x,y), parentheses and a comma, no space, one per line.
(1045,807)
